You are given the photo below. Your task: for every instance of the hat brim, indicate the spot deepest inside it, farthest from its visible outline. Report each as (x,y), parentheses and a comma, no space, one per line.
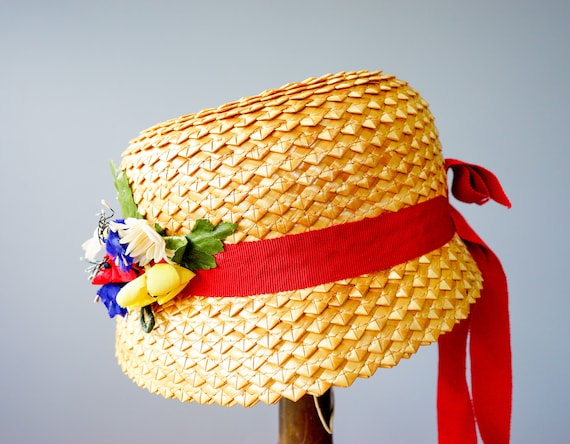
(261,348)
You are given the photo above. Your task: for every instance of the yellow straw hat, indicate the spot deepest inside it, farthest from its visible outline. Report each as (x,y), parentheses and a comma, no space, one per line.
(340,251)
(310,155)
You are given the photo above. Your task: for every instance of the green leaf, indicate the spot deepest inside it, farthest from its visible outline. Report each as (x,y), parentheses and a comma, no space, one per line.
(159,230)
(124,194)
(198,260)
(205,240)
(178,245)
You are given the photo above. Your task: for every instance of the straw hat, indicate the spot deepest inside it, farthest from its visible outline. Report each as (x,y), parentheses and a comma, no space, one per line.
(326,152)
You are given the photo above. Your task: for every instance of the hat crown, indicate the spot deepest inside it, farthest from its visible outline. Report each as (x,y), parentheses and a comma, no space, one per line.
(305,156)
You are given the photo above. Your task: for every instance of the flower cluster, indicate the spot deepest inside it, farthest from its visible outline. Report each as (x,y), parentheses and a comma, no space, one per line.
(141,265)
(136,269)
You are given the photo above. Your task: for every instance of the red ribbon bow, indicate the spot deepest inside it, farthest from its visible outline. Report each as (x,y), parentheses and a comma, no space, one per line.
(489,403)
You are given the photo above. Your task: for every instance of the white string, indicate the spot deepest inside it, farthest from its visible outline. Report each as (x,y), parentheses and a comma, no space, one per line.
(326,426)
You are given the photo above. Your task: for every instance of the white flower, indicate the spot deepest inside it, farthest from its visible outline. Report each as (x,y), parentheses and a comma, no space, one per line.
(92,246)
(143,242)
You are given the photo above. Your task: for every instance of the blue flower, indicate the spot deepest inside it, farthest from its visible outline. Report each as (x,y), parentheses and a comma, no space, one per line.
(117,250)
(108,295)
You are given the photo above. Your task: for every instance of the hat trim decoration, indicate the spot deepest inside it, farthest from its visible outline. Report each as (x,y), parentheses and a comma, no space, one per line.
(143,265)
(295,262)
(291,262)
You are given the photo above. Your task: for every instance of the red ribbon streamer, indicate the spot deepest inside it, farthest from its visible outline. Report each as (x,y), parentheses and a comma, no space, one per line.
(490,402)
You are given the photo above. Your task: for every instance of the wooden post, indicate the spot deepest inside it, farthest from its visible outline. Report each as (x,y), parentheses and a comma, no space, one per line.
(299,422)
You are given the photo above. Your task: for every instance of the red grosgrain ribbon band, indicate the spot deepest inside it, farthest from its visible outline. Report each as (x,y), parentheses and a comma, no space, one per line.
(489,404)
(330,254)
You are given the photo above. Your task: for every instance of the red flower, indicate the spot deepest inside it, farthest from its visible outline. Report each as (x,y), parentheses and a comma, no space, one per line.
(111,272)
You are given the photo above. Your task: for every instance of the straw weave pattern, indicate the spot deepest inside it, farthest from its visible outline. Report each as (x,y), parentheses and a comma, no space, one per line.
(306,156)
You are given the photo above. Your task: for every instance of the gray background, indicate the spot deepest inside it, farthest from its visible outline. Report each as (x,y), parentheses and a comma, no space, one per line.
(79,79)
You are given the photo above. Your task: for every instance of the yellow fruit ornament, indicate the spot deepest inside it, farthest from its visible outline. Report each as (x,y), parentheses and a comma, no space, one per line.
(164,281)
(160,283)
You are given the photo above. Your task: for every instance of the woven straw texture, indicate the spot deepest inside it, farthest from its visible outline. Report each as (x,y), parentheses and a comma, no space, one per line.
(306,156)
